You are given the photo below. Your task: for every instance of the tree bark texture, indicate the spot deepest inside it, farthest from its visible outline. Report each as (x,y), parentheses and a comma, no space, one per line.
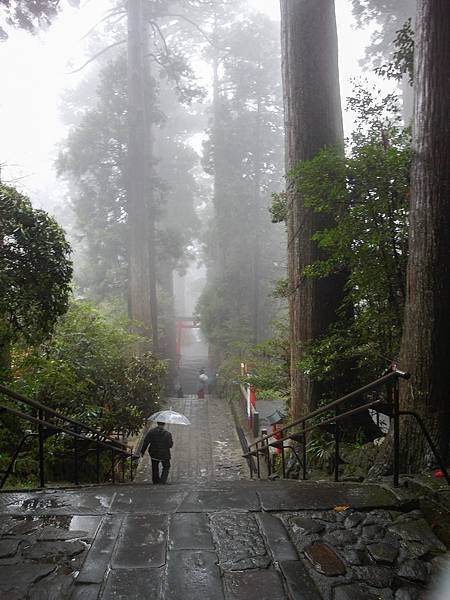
(425,346)
(138,216)
(313,120)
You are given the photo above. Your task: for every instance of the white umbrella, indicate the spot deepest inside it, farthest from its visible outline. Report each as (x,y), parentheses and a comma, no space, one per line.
(169,416)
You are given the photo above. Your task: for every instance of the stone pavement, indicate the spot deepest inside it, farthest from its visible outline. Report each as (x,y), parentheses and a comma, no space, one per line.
(203,537)
(207,450)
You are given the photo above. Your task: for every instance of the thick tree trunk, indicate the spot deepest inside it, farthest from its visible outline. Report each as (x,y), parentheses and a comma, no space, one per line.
(426,335)
(138,218)
(313,121)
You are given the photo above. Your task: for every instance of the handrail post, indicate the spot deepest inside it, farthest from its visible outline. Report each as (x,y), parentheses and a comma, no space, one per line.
(396,417)
(41,449)
(336,447)
(113,475)
(131,465)
(123,467)
(304,451)
(97,458)
(258,466)
(269,462)
(283,462)
(75,462)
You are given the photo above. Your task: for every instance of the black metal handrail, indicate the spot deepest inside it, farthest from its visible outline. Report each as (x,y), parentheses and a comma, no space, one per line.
(67,426)
(262,445)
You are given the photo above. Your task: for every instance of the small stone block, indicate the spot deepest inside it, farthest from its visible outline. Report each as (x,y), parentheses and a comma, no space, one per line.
(354,591)
(8,547)
(190,531)
(383,553)
(212,501)
(414,570)
(375,575)
(86,592)
(277,537)
(142,542)
(254,585)
(305,525)
(298,581)
(52,551)
(19,577)
(325,560)
(193,574)
(99,555)
(133,584)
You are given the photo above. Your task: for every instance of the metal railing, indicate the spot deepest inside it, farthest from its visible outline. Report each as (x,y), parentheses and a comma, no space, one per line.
(48,422)
(320,419)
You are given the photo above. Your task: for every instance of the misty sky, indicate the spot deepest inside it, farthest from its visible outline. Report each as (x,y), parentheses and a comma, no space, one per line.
(34,73)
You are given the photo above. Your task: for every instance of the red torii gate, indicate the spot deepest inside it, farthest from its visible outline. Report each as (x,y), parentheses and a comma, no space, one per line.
(180,324)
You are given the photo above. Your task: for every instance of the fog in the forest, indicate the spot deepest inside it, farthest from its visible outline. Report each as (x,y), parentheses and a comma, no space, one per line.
(49,111)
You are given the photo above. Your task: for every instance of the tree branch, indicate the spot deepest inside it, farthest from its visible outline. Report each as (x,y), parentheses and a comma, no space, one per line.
(96,56)
(104,18)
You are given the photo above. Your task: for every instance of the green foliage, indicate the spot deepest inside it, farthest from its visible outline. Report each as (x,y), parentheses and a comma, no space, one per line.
(368,192)
(270,362)
(35,269)
(88,370)
(279,208)
(403,58)
(389,16)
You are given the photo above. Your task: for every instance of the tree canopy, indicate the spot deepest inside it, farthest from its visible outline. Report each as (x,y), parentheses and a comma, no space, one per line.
(35,267)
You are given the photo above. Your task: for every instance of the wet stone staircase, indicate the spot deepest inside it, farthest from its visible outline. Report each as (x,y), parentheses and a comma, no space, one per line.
(211,534)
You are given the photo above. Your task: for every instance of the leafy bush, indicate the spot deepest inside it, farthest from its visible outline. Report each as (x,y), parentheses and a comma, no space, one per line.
(89,371)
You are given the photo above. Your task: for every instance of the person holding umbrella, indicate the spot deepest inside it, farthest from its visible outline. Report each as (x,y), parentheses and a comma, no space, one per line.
(159,442)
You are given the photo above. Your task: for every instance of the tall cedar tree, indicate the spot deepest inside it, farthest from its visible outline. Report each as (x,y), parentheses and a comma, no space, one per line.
(244,155)
(426,334)
(313,120)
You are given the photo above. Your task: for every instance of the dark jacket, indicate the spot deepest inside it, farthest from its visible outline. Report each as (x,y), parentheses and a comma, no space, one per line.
(159,442)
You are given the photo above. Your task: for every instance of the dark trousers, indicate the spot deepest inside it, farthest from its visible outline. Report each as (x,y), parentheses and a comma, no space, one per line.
(156,478)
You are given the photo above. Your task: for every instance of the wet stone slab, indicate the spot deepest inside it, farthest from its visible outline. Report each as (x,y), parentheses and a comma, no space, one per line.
(193,574)
(218,500)
(190,531)
(9,547)
(67,502)
(325,560)
(254,585)
(133,584)
(100,553)
(324,496)
(53,551)
(239,542)
(298,581)
(148,499)
(353,591)
(142,542)
(18,578)
(277,537)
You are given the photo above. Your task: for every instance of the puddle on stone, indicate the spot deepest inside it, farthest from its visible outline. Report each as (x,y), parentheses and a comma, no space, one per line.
(89,524)
(105,501)
(83,526)
(37,503)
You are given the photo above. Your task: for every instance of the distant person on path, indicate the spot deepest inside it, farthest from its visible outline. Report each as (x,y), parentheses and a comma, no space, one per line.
(179,390)
(159,442)
(202,384)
